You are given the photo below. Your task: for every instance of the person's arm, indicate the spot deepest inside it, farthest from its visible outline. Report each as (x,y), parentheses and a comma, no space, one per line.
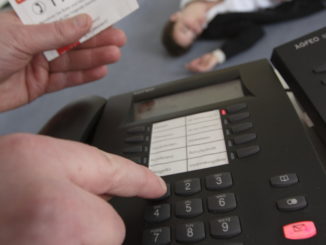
(241,39)
(54,191)
(185,3)
(25,74)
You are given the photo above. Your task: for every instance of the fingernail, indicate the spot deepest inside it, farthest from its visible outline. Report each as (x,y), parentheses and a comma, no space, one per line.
(163,184)
(81,21)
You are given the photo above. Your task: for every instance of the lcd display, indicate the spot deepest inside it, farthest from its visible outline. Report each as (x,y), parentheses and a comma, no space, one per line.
(189,99)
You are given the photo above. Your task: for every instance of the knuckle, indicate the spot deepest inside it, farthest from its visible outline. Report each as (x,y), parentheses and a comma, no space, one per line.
(113,54)
(59,31)
(18,142)
(20,149)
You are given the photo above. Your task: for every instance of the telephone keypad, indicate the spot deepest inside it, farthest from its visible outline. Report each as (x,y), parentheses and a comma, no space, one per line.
(188,210)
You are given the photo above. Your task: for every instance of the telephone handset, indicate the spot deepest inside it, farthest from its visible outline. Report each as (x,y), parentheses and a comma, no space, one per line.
(77,120)
(239,167)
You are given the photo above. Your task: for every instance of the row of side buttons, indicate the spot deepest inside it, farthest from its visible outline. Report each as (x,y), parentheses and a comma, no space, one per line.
(234,115)
(137,141)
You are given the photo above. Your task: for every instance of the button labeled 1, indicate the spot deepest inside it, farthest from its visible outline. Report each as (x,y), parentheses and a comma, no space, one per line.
(300,230)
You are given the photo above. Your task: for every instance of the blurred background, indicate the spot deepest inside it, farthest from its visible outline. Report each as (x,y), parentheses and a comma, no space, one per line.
(144,62)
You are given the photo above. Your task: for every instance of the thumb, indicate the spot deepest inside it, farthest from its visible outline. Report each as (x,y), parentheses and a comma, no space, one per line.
(55,35)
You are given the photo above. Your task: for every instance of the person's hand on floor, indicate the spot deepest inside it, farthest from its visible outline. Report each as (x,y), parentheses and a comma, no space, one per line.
(53,191)
(25,74)
(205,63)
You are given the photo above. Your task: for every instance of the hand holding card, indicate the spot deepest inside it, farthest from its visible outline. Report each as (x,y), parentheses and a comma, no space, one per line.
(103,12)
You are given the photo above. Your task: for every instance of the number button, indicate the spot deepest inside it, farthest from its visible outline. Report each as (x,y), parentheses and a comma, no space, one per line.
(190,232)
(225,227)
(219,181)
(189,208)
(159,236)
(167,193)
(221,203)
(187,187)
(158,213)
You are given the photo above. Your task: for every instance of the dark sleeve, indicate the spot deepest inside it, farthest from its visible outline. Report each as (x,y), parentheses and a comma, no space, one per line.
(242,40)
(291,10)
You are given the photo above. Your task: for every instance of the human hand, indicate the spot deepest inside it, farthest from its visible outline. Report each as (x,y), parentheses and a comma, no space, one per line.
(25,74)
(203,64)
(51,191)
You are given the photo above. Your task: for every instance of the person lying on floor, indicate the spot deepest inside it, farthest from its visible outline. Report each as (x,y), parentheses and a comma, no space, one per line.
(239,22)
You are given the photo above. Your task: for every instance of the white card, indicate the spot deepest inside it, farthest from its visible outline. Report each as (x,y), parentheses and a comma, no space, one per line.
(103,12)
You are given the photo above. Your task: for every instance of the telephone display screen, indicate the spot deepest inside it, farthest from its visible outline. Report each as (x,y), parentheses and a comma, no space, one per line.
(189,99)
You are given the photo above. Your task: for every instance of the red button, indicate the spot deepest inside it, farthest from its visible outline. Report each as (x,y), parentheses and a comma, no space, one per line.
(300,230)
(223,112)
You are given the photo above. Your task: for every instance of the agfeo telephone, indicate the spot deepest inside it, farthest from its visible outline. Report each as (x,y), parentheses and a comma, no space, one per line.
(239,167)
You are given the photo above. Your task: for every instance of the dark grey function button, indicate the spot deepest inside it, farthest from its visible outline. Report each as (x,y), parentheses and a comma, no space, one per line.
(189,208)
(236,107)
(323,82)
(245,138)
(247,151)
(135,139)
(136,159)
(157,213)
(188,187)
(238,117)
(241,127)
(138,129)
(284,180)
(221,203)
(190,232)
(292,203)
(219,181)
(157,236)
(225,227)
(134,149)
(320,69)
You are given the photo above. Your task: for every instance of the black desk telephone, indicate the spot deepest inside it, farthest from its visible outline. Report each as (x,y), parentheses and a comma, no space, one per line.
(239,166)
